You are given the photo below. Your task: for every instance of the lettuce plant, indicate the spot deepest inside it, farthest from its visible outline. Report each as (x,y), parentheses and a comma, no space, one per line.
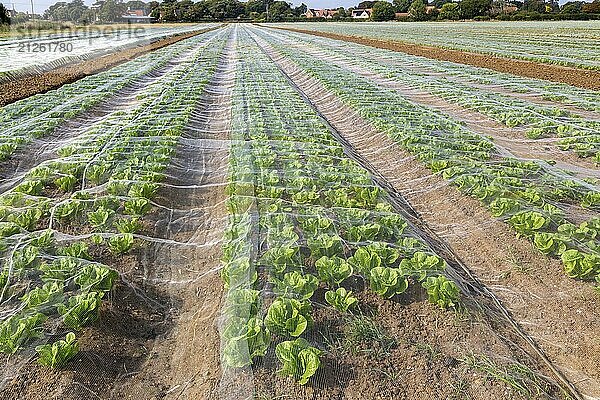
(241,302)
(333,270)
(364,261)
(8,229)
(363,233)
(76,250)
(99,218)
(121,243)
(282,258)
(93,277)
(59,270)
(25,257)
(27,219)
(69,209)
(421,265)
(17,330)
(580,265)
(143,189)
(341,299)
(316,225)
(387,282)
(245,339)
(138,206)
(550,243)
(325,245)
(239,273)
(57,354)
(49,293)
(527,223)
(442,291)
(33,187)
(128,225)
(81,310)
(66,183)
(288,317)
(386,253)
(299,359)
(295,285)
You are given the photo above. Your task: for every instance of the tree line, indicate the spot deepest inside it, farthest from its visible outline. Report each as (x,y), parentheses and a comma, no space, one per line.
(106,11)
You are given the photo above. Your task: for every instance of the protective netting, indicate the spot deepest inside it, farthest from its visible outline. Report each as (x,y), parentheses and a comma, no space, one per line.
(571,43)
(28,54)
(216,158)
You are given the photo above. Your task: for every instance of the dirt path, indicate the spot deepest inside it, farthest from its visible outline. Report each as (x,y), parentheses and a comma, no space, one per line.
(545,302)
(28,86)
(579,77)
(185,364)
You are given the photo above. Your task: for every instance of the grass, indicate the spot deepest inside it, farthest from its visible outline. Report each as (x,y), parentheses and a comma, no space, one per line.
(517,376)
(364,334)
(432,352)
(460,390)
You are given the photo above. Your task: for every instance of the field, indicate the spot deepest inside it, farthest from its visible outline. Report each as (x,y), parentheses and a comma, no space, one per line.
(260,212)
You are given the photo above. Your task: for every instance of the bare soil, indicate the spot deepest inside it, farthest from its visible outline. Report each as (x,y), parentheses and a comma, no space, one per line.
(548,305)
(18,89)
(587,79)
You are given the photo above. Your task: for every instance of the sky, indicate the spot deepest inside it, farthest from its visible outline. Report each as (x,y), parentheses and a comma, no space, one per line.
(41,5)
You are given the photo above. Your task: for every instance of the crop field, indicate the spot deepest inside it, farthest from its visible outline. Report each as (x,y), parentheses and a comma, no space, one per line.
(57,49)
(256,212)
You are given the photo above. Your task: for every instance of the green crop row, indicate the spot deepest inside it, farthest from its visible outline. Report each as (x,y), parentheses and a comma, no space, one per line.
(538,121)
(100,187)
(533,197)
(37,116)
(305,222)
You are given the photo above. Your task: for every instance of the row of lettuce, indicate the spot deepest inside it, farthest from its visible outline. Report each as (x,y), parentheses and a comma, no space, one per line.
(454,83)
(71,213)
(305,223)
(40,115)
(540,41)
(539,201)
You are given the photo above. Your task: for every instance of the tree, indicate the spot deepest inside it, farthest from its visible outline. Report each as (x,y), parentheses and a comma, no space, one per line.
(279,11)
(572,7)
(111,11)
(341,13)
(402,5)
(450,11)
(472,8)
(301,9)
(534,6)
(4,17)
(418,11)
(592,8)
(365,4)
(440,3)
(383,11)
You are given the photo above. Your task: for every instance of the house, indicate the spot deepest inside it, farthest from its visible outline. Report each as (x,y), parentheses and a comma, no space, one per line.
(320,13)
(362,13)
(136,16)
(429,9)
(509,8)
